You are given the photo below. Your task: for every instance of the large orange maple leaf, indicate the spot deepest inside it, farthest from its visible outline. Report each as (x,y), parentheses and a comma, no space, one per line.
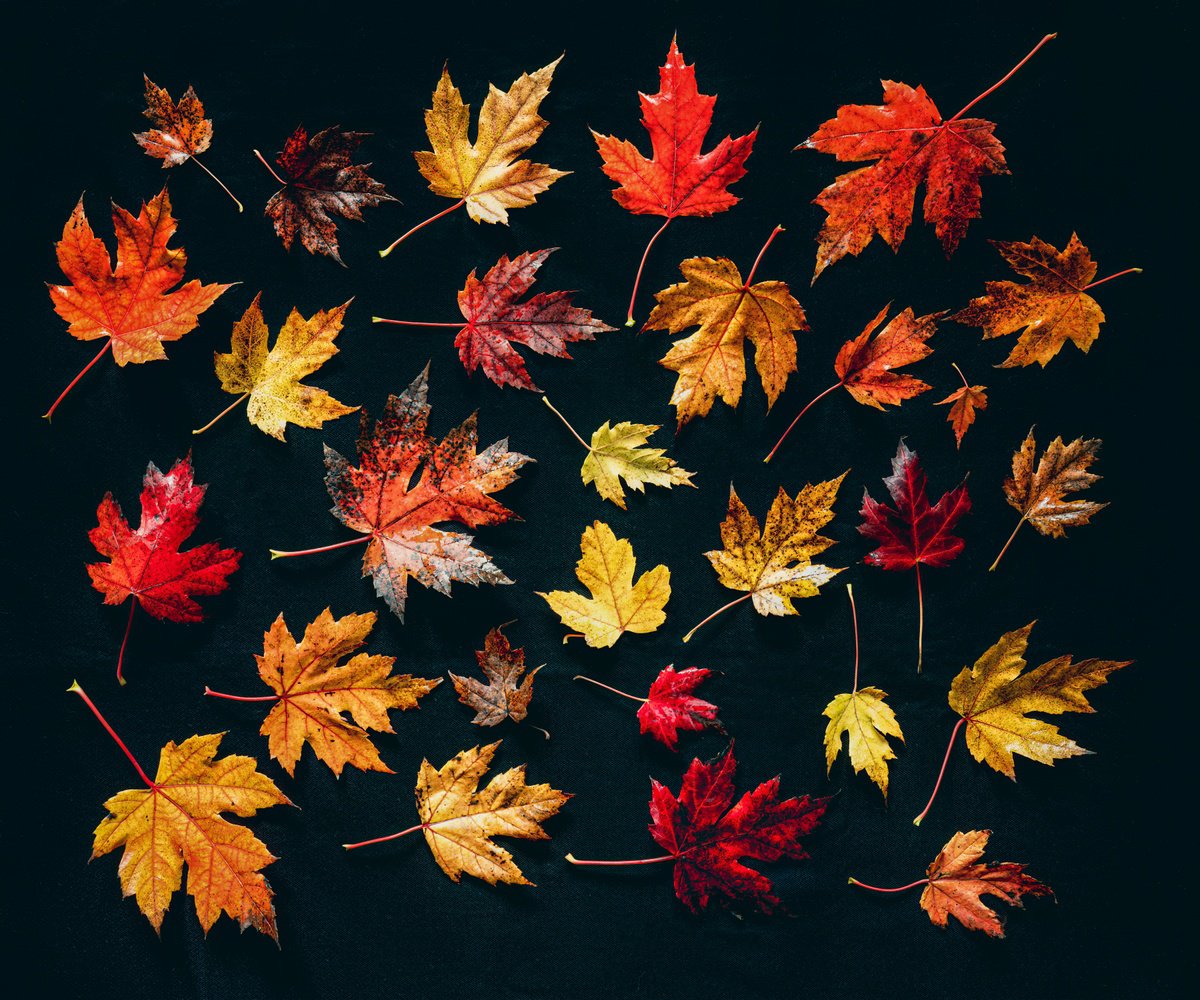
(397,514)
(131,305)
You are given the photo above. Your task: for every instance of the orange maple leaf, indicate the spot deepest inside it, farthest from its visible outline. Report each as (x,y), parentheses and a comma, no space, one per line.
(964,404)
(131,305)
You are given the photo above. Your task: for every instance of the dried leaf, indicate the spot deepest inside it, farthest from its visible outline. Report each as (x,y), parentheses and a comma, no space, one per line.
(505,696)
(180,130)
(963,405)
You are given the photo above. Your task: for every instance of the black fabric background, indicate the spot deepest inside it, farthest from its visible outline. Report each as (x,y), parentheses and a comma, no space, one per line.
(1083,124)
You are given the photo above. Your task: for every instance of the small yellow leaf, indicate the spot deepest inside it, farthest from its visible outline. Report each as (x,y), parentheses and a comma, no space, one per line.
(867,721)
(621,452)
(617,604)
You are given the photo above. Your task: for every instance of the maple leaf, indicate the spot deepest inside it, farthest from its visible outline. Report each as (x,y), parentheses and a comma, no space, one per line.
(146,564)
(728,312)
(671,705)
(269,381)
(380,498)
(678,179)
(319,182)
(486,176)
(996,696)
(176,820)
(313,690)
(131,306)
(911,145)
(774,565)
(866,719)
(496,321)
(956,881)
(707,835)
(1041,496)
(180,132)
(914,533)
(617,605)
(619,452)
(865,366)
(963,405)
(1051,308)
(505,696)
(459,819)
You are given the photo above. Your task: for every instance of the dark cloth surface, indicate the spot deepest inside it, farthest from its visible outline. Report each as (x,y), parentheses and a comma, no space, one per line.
(1086,128)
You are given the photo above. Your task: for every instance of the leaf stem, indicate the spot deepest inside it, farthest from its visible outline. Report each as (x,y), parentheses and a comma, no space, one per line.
(271,170)
(942,773)
(638,277)
(567,423)
(277,554)
(573,635)
(239,697)
(128,625)
(783,436)
(412,322)
(196,160)
(1008,543)
(381,840)
(631,697)
(920,619)
(854,618)
(1004,79)
(899,888)
(76,689)
(640,861)
(723,607)
(954,365)
(49,414)
(237,402)
(770,239)
(422,225)
(1119,274)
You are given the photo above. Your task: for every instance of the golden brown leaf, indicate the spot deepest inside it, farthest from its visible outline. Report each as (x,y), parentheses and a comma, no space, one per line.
(270,380)
(617,604)
(314,690)
(505,696)
(995,697)
(459,819)
(728,311)
(486,174)
(180,130)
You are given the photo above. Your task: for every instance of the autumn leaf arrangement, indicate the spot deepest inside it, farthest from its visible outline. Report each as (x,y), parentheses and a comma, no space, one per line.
(413,500)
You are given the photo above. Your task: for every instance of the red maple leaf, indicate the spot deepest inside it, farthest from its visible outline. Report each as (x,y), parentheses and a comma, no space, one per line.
(319,181)
(913,532)
(911,145)
(707,835)
(147,564)
(671,705)
(380,497)
(545,323)
(678,179)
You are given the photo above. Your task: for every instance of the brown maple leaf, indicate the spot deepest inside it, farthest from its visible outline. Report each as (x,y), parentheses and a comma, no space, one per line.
(319,182)
(505,696)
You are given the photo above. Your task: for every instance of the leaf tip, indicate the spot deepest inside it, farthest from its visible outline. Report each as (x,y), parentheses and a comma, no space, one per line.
(917,820)
(275,554)
(74,688)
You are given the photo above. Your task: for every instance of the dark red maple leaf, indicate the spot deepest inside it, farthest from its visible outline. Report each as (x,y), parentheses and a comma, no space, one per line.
(913,533)
(396,508)
(545,323)
(146,564)
(678,179)
(671,706)
(707,835)
(911,145)
(319,181)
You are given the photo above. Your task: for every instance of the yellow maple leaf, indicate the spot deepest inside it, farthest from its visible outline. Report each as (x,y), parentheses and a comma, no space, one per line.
(728,311)
(312,691)
(621,452)
(269,381)
(176,820)
(617,604)
(459,818)
(995,698)
(486,174)
(774,565)
(867,720)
